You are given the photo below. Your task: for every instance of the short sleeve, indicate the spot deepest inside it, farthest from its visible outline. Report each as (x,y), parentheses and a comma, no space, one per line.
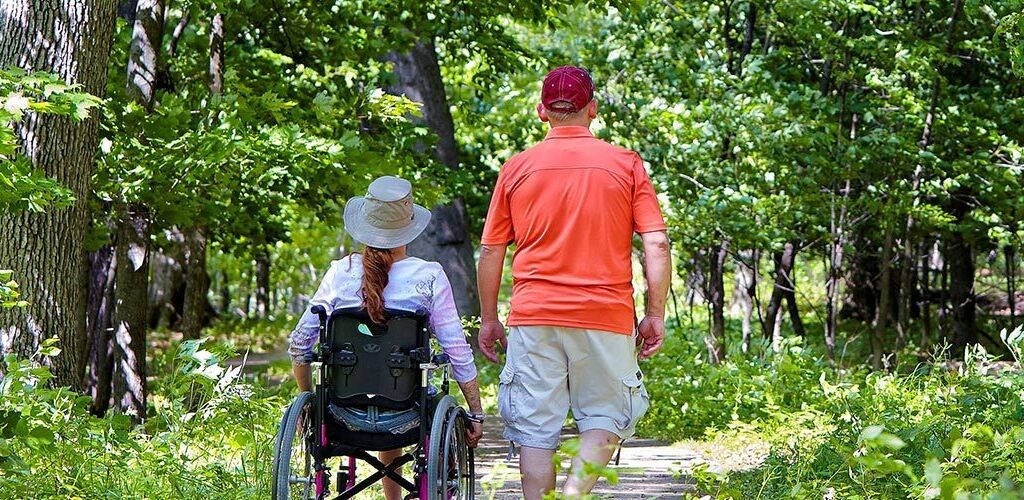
(498,228)
(647,216)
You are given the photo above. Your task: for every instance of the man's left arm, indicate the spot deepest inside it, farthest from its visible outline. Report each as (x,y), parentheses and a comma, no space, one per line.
(658,264)
(648,221)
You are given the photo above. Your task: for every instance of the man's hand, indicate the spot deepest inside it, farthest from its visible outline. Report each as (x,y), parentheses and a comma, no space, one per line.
(474,431)
(652,334)
(492,333)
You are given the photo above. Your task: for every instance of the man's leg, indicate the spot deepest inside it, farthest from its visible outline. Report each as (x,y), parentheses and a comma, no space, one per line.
(607,397)
(538,471)
(596,447)
(533,400)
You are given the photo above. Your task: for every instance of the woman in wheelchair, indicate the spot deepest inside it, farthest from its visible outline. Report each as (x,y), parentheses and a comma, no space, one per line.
(383,277)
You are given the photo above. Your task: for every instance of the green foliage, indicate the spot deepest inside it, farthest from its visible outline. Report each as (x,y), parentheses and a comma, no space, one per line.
(845,433)
(208,434)
(9,291)
(24,95)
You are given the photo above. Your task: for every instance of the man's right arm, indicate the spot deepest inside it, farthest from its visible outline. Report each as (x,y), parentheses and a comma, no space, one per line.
(488,279)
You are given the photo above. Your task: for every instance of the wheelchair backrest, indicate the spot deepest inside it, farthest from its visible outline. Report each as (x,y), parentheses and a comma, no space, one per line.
(374,364)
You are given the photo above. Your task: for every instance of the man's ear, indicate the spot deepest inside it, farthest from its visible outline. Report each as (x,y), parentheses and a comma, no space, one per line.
(592,109)
(541,112)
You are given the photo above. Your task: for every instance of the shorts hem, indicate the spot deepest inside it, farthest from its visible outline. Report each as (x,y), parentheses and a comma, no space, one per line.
(605,424)
(529,441)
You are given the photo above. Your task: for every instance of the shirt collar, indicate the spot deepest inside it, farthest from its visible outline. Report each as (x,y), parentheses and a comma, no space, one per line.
(568,132)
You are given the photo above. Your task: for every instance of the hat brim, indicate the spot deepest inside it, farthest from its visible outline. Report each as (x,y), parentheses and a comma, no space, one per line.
(376,237)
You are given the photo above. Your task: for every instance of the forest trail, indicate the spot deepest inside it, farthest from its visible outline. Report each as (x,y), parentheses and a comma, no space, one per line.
(647,468)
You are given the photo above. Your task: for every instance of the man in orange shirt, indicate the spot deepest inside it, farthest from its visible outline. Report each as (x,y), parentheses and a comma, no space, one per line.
(571,204)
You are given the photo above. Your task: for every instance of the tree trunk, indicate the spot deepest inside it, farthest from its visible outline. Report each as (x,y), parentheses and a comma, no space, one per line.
(716,337)
(167,283)
(262,282)
(144,52)
(71,39)
(961,293)
(835,265)
(1010,253)
(926,314)
(783,286)
(128,379)
(225,293)
(943,311)
(906,289)
(128,392)
(743,295)
(197,283)
(861,299)
(794,311)
(446,239)
(99,321)
(885,283)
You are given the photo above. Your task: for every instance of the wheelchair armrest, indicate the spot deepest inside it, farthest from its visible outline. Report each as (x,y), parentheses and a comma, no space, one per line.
(320,311)
(441,359)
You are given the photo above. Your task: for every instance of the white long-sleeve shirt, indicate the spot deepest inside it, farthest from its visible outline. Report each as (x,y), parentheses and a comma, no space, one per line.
(413,285)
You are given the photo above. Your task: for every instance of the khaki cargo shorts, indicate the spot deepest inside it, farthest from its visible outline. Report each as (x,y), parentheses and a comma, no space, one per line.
(550,370)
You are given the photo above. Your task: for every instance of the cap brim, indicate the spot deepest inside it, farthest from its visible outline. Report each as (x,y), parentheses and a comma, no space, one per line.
(375,237)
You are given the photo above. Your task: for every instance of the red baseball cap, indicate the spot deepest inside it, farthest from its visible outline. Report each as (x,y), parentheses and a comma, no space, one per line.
(567,89)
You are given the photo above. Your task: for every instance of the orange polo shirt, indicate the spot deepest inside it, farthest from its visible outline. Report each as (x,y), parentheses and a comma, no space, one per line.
(571,204)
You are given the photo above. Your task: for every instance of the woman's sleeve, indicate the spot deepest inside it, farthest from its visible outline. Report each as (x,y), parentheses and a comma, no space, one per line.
(447,326)
(304,336)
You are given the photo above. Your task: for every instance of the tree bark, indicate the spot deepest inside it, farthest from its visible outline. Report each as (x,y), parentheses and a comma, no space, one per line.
(783,286)
(225,293)
(885,283)
(99,321)
(446,239)
(837,246)
(167,283)
(716,337)
(144,52)
(262,282)
(197,283)
(960,258)
(1010,254)
(128,393)
(743,294)
(216,67)
(72,40)
(926,300)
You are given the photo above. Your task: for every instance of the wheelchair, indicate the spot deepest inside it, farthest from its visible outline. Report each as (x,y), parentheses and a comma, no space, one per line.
(389,366)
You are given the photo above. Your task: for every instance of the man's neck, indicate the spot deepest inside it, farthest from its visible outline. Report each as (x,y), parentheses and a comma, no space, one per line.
(571,123)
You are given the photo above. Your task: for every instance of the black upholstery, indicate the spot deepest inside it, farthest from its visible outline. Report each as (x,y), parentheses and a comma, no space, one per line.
(371,364)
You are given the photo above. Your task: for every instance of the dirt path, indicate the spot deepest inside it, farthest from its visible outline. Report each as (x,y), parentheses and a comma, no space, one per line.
(647,468)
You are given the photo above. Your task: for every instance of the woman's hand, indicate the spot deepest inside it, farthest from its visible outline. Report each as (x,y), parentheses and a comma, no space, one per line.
(474,431)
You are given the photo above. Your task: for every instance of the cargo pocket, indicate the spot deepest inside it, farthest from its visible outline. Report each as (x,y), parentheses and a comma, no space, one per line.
(635,400)
(506,396)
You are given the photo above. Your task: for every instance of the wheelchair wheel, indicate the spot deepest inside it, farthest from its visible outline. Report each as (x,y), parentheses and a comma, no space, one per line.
(450,460)
(293,463)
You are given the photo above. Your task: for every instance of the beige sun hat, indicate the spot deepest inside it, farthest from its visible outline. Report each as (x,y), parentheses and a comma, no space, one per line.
(386,217)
